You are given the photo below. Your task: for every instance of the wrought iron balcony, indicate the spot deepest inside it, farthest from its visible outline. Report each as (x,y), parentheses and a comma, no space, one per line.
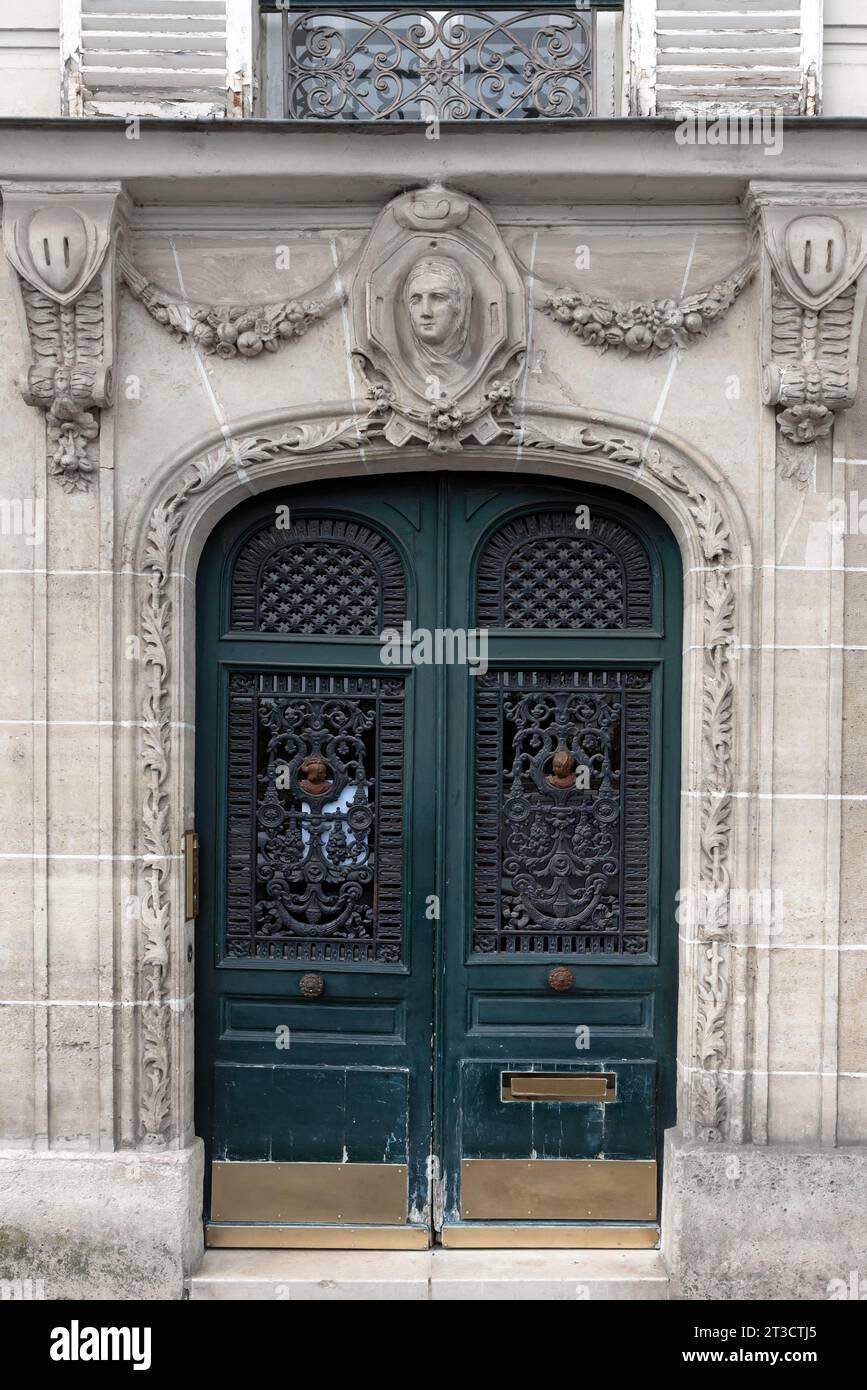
(378,63)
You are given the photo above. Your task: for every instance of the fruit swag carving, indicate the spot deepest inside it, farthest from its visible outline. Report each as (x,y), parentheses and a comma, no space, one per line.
(229,330)
(650,326)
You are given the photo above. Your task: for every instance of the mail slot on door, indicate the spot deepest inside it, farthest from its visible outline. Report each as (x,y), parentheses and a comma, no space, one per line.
(559,1086)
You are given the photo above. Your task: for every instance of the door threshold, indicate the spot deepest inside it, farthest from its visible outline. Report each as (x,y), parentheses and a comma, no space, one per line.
(426,1275)
(466,1237)
(241,1236)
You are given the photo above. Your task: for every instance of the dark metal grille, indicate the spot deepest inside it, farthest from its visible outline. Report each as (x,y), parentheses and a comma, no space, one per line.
(561,861)
(322,577)
(437,65)
(542,572)
(315,817)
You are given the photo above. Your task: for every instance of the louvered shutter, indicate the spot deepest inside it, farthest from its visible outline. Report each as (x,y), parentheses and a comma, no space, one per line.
(158,57)
(726,55)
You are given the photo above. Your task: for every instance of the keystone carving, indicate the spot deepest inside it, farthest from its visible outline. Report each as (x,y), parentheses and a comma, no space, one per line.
(438,321)
(813,293)
(59,243)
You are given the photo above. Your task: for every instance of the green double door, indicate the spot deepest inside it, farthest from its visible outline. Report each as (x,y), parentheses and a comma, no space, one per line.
(437,803)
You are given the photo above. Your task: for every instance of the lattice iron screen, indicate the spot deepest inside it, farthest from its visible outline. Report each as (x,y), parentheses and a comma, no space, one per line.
(318,577)
(542,571)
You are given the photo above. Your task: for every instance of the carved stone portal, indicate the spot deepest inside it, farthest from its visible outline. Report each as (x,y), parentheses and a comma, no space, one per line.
(439,320)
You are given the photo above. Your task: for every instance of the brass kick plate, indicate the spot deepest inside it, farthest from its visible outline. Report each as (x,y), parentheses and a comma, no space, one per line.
(558,1189)
(559,1086)
(356,1193)
(242,1237)
(550,1237)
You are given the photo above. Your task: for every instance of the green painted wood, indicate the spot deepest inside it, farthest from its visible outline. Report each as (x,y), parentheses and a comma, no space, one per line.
(354,1083)
(395,1063)
(628,1005)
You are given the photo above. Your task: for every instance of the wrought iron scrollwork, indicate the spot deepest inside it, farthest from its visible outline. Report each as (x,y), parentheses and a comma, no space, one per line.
(315,853)
(544,572)
(562,812)
(417,64)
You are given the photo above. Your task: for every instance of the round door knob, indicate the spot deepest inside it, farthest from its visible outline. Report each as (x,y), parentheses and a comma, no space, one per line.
(311,986)
(560,978)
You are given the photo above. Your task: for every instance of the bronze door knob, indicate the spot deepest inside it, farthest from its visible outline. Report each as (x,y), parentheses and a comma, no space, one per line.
(311,986)
(560,978)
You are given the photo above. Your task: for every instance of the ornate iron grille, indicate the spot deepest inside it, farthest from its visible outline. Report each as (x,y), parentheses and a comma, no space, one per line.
(562,812)
(436,65)
(320,577)
(541,572)
(315,817)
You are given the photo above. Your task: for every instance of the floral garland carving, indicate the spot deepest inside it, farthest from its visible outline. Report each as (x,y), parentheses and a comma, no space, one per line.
(644,327)
(226,331)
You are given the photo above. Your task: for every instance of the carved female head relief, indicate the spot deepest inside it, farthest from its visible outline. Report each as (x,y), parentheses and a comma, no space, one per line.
(438,298)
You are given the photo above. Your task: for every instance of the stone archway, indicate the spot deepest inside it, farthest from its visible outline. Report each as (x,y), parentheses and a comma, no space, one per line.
(165,537)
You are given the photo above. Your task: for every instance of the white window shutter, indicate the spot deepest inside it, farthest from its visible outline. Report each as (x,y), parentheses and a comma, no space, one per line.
(177,58)
(724,56)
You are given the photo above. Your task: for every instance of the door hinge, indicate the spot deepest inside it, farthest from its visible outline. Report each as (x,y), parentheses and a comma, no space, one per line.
(436,1191)
(191,875)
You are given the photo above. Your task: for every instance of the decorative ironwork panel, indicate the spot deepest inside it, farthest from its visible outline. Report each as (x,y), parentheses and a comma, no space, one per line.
(322,577)
(315,817)
(562,812)
(417,64)
(542,572)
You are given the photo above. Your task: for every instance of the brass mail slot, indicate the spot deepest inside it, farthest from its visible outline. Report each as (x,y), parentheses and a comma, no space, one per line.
(559,1086)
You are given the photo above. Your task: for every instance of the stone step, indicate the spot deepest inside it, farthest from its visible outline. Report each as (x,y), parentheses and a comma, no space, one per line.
(560,1275)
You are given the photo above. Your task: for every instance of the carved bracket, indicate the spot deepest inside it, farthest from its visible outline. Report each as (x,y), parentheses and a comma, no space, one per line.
(59,241)
(814,244)
(646,327)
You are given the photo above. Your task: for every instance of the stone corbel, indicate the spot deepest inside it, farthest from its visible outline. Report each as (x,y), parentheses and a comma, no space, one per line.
(813,243)
(59,240)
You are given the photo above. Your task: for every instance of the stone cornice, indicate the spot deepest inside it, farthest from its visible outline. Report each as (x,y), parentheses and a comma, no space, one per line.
(310,162)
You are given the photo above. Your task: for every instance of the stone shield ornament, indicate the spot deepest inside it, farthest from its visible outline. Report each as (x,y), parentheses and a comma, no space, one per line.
(438,313)
(816,256)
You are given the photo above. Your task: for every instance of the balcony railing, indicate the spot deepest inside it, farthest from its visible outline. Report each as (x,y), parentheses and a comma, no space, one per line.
(431,65)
